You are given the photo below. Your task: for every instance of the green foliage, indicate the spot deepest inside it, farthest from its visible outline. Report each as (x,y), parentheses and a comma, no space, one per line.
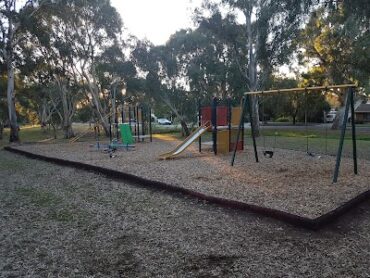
(338,40)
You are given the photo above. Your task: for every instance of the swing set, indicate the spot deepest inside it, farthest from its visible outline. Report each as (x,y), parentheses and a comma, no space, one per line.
(348,108)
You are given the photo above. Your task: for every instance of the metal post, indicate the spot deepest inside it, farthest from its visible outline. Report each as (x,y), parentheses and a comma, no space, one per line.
(200,123)
(110,129)
(129,117)
(137,124)
(123,112)
(214,124)
(229,119)
(241,123)
(353,121)
(150,124)
(249,103)
(142,123)
(306,120)
(341,141)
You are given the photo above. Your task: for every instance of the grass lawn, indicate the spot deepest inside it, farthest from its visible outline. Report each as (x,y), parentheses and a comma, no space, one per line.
(319,140)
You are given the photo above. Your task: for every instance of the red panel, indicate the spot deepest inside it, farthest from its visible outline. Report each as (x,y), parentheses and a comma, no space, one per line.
(240,146)
(222,116)
(206,113)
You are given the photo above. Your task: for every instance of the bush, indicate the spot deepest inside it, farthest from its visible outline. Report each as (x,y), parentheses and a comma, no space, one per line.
(282,120)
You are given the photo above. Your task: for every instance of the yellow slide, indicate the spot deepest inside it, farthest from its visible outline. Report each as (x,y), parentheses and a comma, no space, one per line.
(187,142)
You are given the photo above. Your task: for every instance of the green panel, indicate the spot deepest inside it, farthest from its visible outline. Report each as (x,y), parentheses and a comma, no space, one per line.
(126,134)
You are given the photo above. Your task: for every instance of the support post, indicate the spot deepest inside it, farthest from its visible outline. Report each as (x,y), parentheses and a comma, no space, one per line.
(353,122)
(241,123)
(253,132)
(123,113)
(150,125)
(110,129)
(129,117)
(214,124)
(137,124)
(341,140)
(142,123)
(229,120)
(116,123)
(200,123)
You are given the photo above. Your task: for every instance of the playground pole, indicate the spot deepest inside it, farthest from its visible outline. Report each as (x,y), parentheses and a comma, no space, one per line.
(110,129)
(150,124)
(249,105)
(241,122)
(137,123)
(199,124)
(214,124)
(343,133)
(129,117)
(229,119)
(353,121)
(142,123)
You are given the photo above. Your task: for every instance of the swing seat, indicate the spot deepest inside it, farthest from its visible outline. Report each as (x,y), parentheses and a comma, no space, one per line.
(268,154)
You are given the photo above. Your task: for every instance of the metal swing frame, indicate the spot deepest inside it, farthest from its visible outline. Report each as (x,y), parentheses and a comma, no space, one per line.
(349,104)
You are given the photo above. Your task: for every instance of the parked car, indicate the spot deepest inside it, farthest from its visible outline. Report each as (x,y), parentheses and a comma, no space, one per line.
(164,121)
(331,116)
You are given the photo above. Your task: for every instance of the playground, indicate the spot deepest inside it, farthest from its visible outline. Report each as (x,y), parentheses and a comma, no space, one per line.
(291,181)
(305,171)
(81,224)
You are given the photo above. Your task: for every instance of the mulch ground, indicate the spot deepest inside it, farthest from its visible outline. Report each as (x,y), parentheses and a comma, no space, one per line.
(291,181)
(62,222)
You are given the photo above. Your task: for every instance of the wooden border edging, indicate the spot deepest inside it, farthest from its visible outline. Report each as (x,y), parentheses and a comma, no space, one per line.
(296,220)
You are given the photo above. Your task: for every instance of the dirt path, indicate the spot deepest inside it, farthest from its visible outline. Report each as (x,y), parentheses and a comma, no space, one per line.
(57,221)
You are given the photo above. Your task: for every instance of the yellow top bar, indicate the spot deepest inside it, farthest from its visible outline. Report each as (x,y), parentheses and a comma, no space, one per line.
(294,90)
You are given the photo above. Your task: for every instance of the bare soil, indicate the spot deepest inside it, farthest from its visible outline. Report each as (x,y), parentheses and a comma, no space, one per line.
(291,181)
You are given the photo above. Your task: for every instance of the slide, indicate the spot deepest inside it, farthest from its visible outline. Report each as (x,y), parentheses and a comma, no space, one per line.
(187,142)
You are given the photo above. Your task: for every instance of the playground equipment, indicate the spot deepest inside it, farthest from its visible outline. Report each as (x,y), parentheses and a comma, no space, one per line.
(187,142)
(139,119)
(222,121)
(349,108)
(133,126)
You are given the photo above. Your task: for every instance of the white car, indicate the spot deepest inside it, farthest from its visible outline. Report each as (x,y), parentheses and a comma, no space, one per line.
(164,121)
(331,116)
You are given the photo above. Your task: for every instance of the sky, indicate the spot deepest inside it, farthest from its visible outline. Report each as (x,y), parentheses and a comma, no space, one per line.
(155,20)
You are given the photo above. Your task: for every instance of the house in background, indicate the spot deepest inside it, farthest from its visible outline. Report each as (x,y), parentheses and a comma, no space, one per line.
(362,113)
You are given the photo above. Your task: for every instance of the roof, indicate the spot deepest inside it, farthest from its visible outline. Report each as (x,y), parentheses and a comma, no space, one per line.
(363,108)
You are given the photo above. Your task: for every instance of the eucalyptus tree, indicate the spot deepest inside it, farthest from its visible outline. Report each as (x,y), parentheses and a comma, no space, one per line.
(80,57)
(15,17)
(165,78)
(336,40)
(269,30)
(91,30)
(213,69)
(3,105)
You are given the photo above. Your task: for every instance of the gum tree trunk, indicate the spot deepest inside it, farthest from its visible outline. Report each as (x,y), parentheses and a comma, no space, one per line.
(8,55)
(1,129)
(252,72)
(96,104)
(14,128)
(68,111)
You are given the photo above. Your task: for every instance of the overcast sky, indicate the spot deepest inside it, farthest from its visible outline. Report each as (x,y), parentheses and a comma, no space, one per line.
(155,20)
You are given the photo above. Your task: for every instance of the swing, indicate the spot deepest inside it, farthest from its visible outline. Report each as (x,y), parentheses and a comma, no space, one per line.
(308,152)
(266,153)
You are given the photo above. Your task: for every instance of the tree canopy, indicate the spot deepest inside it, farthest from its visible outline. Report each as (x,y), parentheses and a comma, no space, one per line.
(61,59)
